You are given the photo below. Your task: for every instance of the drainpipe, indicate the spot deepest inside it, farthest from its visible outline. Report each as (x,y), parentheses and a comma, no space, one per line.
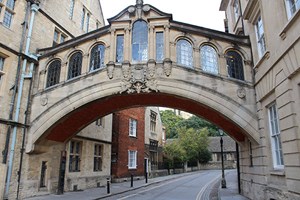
(12,102)
(34,9)
(29,76)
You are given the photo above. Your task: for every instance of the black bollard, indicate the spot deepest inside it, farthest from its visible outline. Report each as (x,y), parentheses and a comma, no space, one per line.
(131,180)
(108,186)
(146,177)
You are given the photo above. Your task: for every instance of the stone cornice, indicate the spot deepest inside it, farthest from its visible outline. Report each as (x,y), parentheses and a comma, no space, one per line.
(73,42)
(210,33)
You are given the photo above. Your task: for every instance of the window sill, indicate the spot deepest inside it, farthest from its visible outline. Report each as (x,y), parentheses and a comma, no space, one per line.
(291,21)
(261,60)
(277,172)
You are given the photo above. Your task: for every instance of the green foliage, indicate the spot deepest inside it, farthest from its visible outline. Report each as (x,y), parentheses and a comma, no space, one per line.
(191,145)
(204,156)
(170,120)
(198,123)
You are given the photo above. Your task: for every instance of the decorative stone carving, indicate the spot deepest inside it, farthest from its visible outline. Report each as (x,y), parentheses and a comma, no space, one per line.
(167,66)
(110,66)
(44,100)
(151,68)
(138,78)
(241,93)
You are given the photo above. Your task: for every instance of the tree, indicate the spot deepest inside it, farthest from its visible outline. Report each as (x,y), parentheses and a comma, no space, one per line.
(174,151)
(194,142)
(170,120)
(198,123)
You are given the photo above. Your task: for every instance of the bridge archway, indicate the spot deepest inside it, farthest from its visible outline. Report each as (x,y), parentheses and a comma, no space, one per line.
(62,119)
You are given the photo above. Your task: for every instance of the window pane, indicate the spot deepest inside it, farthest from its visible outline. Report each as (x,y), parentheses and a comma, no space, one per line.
(235,65)
(87,22)
(209,60)
(260,37)
(10,4)
(159,46)
(72,4)
(184,53)
(7,18)
(75,65)
(140,41)
(97,57)
(53,73)
(120,48)
(82,18)
(62,38)
(132,127)
(1,63)
(275,136)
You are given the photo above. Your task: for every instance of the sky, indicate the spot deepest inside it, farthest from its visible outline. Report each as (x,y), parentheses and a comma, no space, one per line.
(203,13)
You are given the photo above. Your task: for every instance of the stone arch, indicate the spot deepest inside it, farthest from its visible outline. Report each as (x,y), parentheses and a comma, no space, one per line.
(85,105)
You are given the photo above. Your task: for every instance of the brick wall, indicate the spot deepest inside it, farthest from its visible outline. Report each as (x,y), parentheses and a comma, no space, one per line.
(122,142)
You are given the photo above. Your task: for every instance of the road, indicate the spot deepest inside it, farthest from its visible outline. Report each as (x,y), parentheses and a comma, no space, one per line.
(193,186)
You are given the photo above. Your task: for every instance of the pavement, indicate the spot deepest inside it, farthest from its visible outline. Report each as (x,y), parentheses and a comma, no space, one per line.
(231,192)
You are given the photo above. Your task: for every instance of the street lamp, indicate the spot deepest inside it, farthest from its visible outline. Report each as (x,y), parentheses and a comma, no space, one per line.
(223,181)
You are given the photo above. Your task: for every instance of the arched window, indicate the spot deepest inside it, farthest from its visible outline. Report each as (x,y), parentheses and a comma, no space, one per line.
(53,73)
(75,64)
(235,65)
(184,53)
(97,57)
(140,41)
(209,59)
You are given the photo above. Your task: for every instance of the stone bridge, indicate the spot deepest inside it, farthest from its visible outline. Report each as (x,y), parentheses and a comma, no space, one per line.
(142,58)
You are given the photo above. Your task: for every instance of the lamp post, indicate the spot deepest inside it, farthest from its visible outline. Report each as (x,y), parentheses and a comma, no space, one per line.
(223,181)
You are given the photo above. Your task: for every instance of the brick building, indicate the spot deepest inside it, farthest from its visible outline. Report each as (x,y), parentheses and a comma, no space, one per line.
(128,143)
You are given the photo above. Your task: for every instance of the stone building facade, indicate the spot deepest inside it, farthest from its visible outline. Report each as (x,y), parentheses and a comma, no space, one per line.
(154,139)
(272,168)
(25,26)
(251,90)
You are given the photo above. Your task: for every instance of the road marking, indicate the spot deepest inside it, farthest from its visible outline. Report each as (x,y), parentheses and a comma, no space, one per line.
(206,186)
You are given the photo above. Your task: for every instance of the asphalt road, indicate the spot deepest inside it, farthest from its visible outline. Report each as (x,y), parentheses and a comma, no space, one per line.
(195,186)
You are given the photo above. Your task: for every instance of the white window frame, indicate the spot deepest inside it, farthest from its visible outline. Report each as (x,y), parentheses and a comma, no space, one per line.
(274,130)
(132,127)
(289,7)
(132,159)
(260,36)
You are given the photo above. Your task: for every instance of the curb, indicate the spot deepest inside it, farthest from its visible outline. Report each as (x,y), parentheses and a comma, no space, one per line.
(146,185)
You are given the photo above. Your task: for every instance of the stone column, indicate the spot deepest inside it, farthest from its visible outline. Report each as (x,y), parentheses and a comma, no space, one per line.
(112,45)
(151,42)
(127,44)
(167,41)
(223,66)
(196,61)
(85,63)
(63,72)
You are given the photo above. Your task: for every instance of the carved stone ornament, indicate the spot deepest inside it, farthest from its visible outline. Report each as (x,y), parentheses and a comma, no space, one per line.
(44,100)
(138,78)
(110,69)
(167,66)
(241,93)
